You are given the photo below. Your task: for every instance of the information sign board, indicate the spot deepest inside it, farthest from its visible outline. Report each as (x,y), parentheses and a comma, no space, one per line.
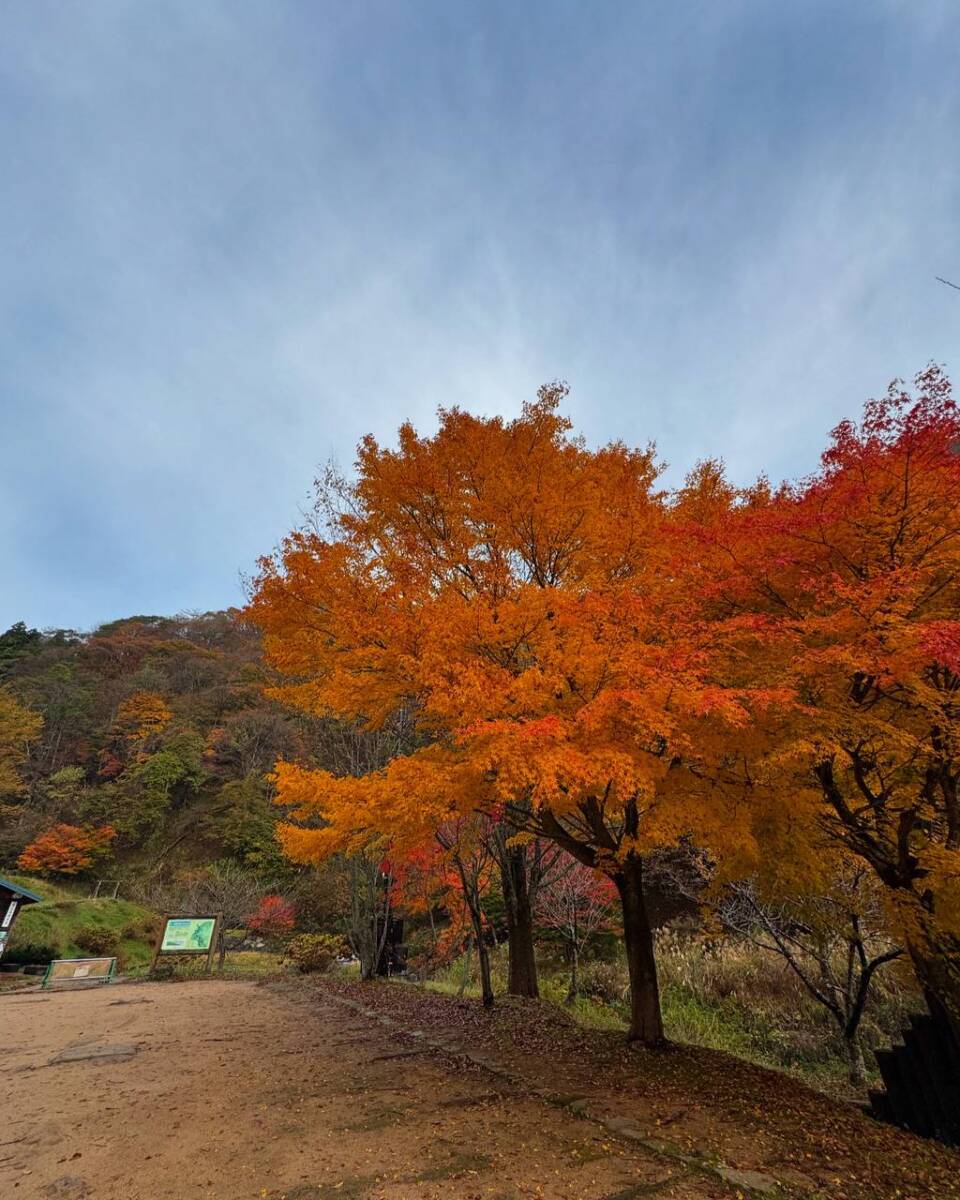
(66,971)
(194,933)
(188,935)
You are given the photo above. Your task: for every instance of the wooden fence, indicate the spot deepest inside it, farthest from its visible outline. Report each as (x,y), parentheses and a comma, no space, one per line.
(922,1077)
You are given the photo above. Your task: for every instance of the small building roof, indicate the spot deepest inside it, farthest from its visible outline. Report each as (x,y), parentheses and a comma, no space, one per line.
(25,893)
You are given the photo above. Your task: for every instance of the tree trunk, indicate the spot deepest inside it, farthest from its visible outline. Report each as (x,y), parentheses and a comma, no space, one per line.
(646,1022)
(483,954)
(364,947)
(854,1053)
(362,925)
(486,984)
(434,940)
(465,972)
(574,973)
(522,968)
(471,895)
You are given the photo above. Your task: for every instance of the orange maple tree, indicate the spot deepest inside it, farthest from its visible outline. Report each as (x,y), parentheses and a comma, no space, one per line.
(516,592)
(66,849)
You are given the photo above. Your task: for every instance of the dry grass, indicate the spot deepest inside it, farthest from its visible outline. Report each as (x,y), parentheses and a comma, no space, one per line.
(725,994)
(239,964)
(734,996)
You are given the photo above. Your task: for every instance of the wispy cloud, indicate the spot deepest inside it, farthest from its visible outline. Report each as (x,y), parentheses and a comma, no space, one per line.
(237,237)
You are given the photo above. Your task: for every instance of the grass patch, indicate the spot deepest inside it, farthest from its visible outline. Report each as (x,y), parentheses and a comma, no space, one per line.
(56,924)
(49,890)
(720,1026)
(239,964)
(253,962)
(347,970)
(554,985)
(734,998)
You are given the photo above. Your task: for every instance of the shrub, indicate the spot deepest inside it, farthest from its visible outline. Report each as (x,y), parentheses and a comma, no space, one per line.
(273,918)
(314,951)
(605,982)
(97,940)
(26,953)
(144,929)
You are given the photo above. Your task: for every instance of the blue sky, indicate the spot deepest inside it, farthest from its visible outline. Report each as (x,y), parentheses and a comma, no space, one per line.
(235,236)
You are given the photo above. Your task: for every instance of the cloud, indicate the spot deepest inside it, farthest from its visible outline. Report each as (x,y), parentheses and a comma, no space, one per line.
(236,238)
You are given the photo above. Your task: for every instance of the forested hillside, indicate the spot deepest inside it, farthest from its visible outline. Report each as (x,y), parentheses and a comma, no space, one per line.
(153,749)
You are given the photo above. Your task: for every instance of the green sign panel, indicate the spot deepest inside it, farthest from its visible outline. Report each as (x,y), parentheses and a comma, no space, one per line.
(188,935)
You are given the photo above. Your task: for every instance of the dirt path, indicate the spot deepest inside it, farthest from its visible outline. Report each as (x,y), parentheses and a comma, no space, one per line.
(709,1109)
(230,1090)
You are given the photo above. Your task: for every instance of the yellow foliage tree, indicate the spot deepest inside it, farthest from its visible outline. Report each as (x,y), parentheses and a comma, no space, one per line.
(140,717)
(18,728)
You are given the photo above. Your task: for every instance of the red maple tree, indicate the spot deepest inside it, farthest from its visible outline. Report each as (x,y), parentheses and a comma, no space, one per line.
(273,917)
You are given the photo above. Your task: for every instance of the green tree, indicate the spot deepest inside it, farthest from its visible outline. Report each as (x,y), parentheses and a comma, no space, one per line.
(18,640)
(249,826)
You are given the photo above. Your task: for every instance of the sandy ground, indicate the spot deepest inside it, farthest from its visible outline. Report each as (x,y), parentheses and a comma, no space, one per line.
(233,1090)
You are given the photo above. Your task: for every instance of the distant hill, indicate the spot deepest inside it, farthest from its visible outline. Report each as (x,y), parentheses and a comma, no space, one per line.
(155,744)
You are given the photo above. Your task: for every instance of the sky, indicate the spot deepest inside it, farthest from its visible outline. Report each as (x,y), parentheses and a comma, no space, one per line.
(236,236)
